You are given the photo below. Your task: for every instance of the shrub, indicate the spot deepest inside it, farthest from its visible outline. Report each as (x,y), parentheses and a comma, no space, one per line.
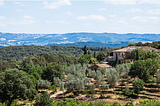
(86,92)
(128,61)
(2,104)
(138,86)
(72,95)
(53,87)
(43,100)
(109,96)
(102,97)
(112,63)
(116,104)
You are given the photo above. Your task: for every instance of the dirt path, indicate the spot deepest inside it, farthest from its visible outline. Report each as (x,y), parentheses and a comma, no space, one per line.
(57,93)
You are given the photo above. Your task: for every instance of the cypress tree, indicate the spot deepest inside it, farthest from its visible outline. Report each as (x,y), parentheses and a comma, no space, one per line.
(94,54)
(117,61)
(85,50)
(89,52)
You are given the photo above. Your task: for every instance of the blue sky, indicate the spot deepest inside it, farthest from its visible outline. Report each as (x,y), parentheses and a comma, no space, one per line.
(68,16)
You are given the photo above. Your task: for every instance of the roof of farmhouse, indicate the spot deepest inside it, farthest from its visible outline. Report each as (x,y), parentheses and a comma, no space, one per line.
(130,48)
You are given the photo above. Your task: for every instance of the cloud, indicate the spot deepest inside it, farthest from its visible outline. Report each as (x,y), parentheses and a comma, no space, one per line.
(150,1)
(1,3)
(2,18)
(101,9)
(69,13)
(3,25)
(19,3)
(115,2)
(87,24)
(123,22)
(19,10)
(154,18)
(154,11)
(27,20)
(137,18)
(28,17)
(91,17)
(112,15)
(134,10)
(55,5)
(63,22)
(49,21)
(146,19)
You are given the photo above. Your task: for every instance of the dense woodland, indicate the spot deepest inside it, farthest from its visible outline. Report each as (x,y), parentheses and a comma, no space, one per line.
(94,44)
(15,53)
(25,79)
(155,44)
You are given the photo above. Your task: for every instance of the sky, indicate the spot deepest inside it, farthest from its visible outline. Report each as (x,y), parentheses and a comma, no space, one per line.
(70,16)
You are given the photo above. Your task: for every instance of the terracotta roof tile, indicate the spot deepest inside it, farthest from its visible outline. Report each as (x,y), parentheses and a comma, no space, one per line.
(130,48)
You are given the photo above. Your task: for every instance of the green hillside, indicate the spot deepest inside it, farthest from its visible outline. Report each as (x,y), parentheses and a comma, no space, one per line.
(20,52)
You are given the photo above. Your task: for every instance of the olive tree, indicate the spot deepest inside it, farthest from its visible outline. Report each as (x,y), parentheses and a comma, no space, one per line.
(104,86)
(43,84)
(56,81)
(76,77)
(112,77)
(123,70)
(158,78)
(92,89)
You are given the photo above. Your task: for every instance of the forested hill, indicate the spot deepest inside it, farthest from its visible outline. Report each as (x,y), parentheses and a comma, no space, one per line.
(8,39)
(155,44)
(20,52)
(94,44)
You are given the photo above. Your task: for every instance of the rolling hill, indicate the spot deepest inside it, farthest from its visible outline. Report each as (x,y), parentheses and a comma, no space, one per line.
(8,39)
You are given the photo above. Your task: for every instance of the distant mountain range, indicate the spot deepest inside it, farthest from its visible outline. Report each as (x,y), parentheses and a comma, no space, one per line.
(8,39)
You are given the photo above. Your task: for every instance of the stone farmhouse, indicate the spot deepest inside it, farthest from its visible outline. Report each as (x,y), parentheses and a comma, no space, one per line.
(125,53)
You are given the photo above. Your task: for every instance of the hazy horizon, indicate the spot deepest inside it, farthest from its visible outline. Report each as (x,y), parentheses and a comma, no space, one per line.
(72,16)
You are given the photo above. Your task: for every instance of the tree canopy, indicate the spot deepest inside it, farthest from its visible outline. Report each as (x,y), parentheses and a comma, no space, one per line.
(139,54)
(53,70)
(144,69)
(15,84)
